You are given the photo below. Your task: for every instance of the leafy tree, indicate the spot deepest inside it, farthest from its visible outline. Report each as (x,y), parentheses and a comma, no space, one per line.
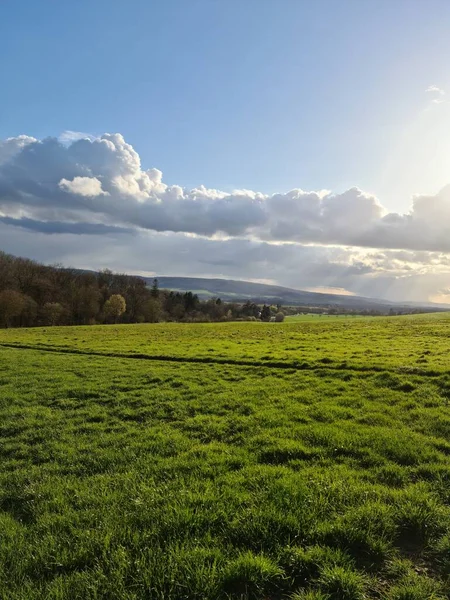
(12,304)
(29,313)
(152,311)
(115,307)
(279,317)
(52,313)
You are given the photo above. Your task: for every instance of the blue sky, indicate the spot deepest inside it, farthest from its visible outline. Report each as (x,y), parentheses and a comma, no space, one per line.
(260,94)
(263,95)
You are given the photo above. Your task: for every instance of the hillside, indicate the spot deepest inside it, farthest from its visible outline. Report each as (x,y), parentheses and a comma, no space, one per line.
(32,294)
(232,290)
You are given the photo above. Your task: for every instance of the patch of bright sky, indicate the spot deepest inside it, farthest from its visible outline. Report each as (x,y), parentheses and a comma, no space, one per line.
(258,94)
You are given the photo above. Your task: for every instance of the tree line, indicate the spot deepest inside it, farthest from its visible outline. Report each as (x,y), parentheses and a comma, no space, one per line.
(32,294)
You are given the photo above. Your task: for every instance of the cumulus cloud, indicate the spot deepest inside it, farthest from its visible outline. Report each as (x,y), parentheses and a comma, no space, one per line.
(101,180)
(83,186)
(12,146)
(95,188)
(69,136)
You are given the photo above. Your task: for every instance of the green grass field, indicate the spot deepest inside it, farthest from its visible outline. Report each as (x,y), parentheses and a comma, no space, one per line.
(314,316)
(303,460)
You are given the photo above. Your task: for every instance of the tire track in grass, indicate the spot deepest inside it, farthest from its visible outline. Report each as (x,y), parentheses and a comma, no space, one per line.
(296,365)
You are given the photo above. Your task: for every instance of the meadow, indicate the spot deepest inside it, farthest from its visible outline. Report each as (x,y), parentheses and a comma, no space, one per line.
(302,460)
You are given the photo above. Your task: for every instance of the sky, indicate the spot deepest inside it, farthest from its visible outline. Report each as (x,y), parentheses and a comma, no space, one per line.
(288,141)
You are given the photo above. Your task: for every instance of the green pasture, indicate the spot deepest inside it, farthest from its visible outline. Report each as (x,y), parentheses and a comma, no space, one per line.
(302,460)
(315,316)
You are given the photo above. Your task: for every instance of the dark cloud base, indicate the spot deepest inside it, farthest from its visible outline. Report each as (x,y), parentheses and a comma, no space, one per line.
(55,227)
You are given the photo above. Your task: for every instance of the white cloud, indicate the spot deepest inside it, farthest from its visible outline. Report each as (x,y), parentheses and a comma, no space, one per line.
(12,146)
(83,186)
(435,90)
(69,136)
(94,189)
(47,180)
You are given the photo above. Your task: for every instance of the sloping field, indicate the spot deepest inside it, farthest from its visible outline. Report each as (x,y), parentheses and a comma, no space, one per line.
(418,343)
(296,460)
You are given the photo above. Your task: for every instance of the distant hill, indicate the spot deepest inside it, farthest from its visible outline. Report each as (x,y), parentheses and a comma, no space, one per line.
(240,291)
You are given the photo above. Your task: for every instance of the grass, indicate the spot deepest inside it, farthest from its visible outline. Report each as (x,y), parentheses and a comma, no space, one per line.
(226,461)
(314,316)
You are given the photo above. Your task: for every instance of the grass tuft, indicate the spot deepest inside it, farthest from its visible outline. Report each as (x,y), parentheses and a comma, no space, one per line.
(342,583)
(251,576)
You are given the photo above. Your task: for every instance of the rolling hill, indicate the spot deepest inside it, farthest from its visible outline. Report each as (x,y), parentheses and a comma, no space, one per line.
(240,291)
